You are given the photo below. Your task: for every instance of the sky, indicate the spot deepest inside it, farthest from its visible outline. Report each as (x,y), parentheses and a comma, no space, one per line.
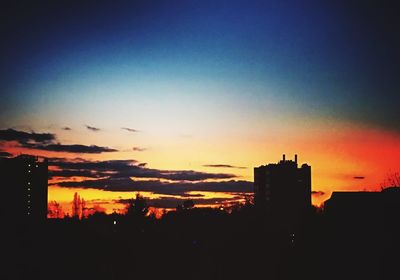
(182,99)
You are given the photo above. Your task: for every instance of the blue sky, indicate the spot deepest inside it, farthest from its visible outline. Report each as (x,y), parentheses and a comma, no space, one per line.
(336,60)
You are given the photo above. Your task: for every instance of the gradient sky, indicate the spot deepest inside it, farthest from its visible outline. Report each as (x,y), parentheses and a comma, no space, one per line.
(206,83)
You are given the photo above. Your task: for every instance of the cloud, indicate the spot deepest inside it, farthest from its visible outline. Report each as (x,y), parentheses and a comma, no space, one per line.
(317,193)
(129,129)
(66,128)
(157,186)
(92,128)
(190,175)
(5,154)
(94,166)
(131,176)
(74,173)
(132,168)
(223,166)
(359,177)
(74,148)
(138,149)
(47,142)
(26,137)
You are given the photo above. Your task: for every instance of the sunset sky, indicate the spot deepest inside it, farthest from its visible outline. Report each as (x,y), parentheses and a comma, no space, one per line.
(181,99)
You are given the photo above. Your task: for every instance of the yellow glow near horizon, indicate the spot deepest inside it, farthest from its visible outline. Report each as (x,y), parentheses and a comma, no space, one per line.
(337,152)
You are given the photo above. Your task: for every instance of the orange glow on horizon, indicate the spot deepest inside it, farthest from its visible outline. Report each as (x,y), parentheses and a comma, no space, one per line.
(343,156)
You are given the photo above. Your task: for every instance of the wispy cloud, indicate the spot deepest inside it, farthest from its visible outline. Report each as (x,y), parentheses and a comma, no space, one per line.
(138,149)
(359,177)
(129,129)
(92,128)
(223,166)
(66,128)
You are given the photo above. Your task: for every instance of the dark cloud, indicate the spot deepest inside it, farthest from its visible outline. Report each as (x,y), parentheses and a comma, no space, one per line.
(190,175)
(187,195)
(128,175)
(95,166)
(47,142)
(74,173)
(224,166)
(138,149)
(5,154)
(26,137)
(75,148)
(317,193)
(66,128)
(115,175)
(160,187)
(130,168)
(359,177)
(92,128)
(129,129)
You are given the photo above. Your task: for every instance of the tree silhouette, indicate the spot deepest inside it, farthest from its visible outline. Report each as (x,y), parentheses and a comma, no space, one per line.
(188,204)
(55,210)
(76,206)
(137,207)
(391,180)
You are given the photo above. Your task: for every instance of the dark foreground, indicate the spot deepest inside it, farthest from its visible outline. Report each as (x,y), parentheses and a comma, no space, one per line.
(203,244)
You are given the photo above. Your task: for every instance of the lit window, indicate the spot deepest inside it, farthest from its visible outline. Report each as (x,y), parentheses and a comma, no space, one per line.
(37,165)
(29,171)
(29,165)
(29,201)
(29,189)
(29,183)
(29,213)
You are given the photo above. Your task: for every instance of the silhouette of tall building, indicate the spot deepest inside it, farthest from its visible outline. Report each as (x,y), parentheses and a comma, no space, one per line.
(284,189)
(24,188)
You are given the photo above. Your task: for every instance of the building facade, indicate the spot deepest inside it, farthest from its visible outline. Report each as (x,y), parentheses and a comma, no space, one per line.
(23,181)
(283,188)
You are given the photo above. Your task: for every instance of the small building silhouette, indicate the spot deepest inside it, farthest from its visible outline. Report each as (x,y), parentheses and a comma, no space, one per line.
(352,203)
(363,206)
(283,189)
(23,181)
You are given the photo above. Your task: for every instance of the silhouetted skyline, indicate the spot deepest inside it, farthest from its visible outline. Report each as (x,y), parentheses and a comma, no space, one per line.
(24,189)
(161,123)
(181,99)
(276,232)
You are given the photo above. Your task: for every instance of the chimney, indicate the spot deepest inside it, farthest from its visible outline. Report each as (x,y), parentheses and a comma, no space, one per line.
(295,159)
(284,157)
